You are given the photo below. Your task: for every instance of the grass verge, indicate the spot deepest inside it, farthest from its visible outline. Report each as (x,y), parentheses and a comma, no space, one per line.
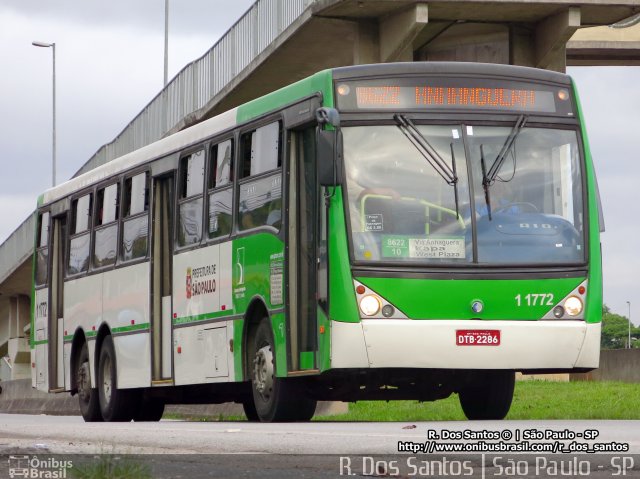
(531,400)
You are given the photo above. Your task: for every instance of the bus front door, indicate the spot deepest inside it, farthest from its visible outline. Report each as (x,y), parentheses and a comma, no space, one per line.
(305,239)
(161,260)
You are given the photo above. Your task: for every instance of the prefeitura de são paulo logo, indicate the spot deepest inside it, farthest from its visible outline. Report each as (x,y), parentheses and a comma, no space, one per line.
(189,283)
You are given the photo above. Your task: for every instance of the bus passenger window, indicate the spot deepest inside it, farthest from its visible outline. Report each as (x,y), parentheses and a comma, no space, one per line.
(105,241)
(190,203)
(80,238)
(261,194)
(42,251)
(135,225)
(220,189)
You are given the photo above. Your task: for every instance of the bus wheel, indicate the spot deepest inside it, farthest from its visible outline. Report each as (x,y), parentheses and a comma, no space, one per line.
(250,410)
(115,404)
(489,395)
(149,411)
(87,396)
(276,399)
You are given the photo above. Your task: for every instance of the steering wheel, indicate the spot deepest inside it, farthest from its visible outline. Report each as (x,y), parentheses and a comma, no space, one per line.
(519,205)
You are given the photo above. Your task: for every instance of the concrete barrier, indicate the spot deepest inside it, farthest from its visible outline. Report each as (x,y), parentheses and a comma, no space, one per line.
(615,365)
(18,397)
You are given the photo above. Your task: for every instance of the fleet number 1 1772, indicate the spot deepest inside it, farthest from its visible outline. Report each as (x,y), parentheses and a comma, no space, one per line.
(535,299)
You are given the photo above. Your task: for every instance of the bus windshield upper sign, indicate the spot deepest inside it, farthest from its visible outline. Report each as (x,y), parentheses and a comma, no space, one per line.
(453,94)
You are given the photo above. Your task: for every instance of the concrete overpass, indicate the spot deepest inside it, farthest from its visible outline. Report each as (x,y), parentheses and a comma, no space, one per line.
(279,41)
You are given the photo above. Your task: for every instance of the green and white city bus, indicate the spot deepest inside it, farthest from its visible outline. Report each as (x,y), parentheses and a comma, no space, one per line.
(394,231)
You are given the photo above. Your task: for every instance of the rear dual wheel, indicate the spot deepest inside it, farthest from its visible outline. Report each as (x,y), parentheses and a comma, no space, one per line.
(87,396)
(116,405)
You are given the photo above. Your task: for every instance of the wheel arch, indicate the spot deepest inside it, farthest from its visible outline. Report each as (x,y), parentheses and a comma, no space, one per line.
(255,312)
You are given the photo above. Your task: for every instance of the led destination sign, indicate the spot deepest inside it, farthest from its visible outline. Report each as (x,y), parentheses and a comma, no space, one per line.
(452,94)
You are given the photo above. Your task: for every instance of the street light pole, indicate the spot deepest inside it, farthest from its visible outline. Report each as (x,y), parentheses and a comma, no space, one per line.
(166,42)
(629,343)
(53,49)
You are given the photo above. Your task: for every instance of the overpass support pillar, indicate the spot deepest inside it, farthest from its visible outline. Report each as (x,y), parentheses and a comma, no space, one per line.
(551,37)
(15,362)
(398,32)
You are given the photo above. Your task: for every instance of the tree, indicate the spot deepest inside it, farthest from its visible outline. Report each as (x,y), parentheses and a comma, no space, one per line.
(615,331)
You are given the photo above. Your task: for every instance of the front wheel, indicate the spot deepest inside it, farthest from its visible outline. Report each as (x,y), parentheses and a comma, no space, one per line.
(275,399)
(115,404)
(488,395)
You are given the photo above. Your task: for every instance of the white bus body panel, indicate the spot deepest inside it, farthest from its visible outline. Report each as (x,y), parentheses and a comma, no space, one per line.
(203,354)
(432,344)
(119,298)
(202,291)
(125,293)
(133,355)
(83,310)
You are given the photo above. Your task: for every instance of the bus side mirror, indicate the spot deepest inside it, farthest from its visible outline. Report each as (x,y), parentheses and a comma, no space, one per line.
(326,157)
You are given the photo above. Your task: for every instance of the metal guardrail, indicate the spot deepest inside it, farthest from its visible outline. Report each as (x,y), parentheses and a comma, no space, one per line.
(198,82)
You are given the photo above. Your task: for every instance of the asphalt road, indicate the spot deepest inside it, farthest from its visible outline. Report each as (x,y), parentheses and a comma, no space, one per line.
(241,449)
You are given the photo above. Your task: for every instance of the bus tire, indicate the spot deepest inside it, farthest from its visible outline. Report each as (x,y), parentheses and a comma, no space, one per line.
(489,395)
(249,408)
(149,411)
(87,396)
(275,399)
(115,404)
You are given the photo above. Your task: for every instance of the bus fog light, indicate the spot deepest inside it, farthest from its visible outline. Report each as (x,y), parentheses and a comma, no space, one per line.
(370,305)
(388,310)
(558,312)
(573,306)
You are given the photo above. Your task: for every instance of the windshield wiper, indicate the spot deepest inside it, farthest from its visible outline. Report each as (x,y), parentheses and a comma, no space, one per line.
(448,173)
(488,177)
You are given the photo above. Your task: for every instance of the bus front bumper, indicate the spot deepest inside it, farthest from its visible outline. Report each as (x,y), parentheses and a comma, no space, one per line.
(380,343)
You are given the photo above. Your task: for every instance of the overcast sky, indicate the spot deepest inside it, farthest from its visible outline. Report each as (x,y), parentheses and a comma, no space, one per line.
(109,64)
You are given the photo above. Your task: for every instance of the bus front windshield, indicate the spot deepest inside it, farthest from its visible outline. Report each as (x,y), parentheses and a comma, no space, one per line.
(513,202)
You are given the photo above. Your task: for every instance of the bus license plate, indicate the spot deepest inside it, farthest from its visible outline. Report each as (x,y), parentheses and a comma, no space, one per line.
(478,337)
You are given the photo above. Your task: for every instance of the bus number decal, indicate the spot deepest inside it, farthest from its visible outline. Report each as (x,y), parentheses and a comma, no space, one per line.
(535,299)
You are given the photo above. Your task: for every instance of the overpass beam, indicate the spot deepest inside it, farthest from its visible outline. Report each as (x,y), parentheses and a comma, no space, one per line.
(399,30)
(367,44)
(551,37)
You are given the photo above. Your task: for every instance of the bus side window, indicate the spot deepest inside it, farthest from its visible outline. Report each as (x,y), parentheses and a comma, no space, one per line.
(105,242)
(261,181)
(80,237)
(190,199)
(220,187)
(135,218)
(42,250)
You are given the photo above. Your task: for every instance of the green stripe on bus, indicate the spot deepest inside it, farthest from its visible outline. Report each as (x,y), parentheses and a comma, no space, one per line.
(133,327)
(200,317)
(90,334)
(42,341)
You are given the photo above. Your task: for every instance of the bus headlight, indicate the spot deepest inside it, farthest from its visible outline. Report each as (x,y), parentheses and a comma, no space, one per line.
(573,305)
(370,305)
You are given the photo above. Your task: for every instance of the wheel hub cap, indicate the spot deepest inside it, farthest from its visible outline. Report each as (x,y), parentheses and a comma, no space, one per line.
(263,372)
